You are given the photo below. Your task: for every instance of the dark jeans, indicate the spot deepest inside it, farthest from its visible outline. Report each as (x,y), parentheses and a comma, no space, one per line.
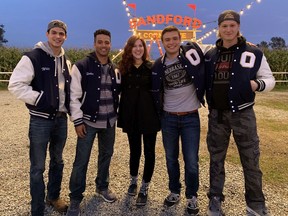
(41,132)
(149,141)
(106,140)
(243,126)
(188,129)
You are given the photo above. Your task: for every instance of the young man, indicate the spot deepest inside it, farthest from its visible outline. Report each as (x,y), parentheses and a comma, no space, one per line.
(95,90)
(235,71)
(41,79)
(178,90)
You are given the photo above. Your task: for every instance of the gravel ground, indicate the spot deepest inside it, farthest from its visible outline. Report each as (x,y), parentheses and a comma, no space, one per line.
(14,174)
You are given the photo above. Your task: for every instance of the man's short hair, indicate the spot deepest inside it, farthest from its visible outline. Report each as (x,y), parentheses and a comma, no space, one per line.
(102,31)
(169,29)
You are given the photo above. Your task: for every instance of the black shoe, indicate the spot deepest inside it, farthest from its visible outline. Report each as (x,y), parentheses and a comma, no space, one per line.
(172,199)
(141,199)
(132,190)
(192,206)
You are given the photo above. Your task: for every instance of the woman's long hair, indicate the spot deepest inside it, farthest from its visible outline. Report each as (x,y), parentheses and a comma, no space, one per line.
(127,58)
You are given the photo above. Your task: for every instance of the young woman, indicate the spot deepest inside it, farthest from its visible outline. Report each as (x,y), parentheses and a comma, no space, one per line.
(137,114)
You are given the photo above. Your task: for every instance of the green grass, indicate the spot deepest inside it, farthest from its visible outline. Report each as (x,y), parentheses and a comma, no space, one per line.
(281,87)
(3,86)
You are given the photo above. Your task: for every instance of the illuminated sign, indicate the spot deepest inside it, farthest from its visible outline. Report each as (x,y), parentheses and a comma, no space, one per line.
(166,19)
(186,35)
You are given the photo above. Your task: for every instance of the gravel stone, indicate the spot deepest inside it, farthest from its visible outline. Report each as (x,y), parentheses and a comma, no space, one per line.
(14,174)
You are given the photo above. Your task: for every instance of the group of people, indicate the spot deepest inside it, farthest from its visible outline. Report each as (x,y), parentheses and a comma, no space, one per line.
(143,98)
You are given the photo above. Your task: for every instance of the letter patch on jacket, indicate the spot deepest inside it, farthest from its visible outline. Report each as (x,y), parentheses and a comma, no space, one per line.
(247,59)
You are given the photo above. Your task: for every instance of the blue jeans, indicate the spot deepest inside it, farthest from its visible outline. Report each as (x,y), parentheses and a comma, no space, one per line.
(106,140)
(188,128)
(41,132)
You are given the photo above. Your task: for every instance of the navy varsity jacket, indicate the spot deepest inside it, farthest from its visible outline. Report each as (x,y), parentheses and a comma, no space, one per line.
(46,82)
(248,63)
(85,88)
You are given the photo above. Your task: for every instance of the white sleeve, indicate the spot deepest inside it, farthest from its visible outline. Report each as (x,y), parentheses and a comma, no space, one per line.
(20,80)
(76,94)
(205,47)
(265,76)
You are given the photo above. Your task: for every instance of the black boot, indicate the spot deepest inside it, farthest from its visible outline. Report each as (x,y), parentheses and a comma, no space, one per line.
(143,194)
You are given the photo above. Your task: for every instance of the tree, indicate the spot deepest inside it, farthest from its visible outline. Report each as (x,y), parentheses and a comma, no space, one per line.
(263,45)
(2,39)
(277,43)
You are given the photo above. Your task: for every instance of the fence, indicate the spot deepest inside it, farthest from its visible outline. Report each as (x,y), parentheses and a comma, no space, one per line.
(281,77)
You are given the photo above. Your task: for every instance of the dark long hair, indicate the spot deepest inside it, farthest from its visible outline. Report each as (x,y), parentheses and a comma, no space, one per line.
(127,58)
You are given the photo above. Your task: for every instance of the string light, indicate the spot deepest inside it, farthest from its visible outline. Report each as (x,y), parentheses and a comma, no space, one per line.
(206,34)
(241,12)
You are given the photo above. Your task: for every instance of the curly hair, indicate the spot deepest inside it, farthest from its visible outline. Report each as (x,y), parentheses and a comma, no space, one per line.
(127,58)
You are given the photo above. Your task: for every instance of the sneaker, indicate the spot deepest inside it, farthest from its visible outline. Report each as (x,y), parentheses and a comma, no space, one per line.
(172,199)
(107,195)
(257,212)
(59,205)
(132,190)
(74,208)
(192,206)
(214,208)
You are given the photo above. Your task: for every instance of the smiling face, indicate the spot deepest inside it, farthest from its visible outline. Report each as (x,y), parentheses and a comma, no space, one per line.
(102,45)
(138,50)
(56,37)
(171,42)
(229,31)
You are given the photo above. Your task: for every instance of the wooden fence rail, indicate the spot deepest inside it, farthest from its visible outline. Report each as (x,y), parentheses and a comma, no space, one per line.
(282,75)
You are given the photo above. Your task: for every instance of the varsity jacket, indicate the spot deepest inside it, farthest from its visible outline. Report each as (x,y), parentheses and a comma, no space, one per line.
(191,57)
(35,81)
(85,88)
(248,64)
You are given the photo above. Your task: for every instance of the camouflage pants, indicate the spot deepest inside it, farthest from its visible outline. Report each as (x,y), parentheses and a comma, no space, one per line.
(243,127)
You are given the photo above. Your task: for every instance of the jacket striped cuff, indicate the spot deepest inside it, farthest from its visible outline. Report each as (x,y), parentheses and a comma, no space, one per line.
(261,85)
(78,122)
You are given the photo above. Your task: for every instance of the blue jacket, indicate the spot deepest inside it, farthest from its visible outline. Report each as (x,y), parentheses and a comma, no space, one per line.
(191,57)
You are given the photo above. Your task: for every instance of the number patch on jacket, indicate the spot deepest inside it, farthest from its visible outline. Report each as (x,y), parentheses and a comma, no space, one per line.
(193,57)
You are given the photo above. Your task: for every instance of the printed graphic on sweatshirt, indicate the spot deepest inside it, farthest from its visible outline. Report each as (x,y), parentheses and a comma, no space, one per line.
(176,76)
(223,67)
(221,81)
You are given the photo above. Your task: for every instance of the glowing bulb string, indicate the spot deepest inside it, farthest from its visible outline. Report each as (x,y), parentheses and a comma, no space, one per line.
(206,35)
(133,15)
(214,30)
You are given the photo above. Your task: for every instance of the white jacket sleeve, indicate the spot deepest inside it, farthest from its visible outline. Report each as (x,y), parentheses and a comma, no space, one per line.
(205,47)
(20,80)
(264,77)
(76,94)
